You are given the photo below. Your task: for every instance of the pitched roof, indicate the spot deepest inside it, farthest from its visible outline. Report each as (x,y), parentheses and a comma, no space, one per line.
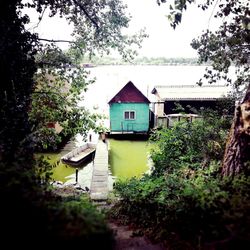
(191,92)
(129,93)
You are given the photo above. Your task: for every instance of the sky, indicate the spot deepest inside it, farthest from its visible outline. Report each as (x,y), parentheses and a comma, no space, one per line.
(163,41)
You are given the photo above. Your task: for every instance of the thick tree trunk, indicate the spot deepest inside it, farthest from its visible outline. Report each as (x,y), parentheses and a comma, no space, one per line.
(237,153)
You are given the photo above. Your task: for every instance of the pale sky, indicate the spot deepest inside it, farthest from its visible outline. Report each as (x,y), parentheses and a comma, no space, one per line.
(162,41)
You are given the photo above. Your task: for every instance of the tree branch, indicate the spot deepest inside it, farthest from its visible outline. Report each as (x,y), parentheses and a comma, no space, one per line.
(40,19)
(77,3)
(48,93)
(212,13)
(55,41)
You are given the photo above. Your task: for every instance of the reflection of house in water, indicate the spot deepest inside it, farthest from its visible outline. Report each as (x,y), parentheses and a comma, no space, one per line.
(190,97)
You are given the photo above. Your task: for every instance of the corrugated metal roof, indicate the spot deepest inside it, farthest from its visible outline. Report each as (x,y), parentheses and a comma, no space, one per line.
(129,93)
(191,92)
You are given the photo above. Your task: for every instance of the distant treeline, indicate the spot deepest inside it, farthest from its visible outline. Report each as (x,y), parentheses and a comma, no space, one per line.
(141,61)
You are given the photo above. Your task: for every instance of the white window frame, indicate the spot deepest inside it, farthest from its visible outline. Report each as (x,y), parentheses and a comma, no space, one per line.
(129,115)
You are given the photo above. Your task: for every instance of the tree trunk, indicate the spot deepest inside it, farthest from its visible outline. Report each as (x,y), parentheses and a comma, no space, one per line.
(237,153)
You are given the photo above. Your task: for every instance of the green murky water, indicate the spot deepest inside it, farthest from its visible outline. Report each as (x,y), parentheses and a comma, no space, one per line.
(128,158)
(61,171)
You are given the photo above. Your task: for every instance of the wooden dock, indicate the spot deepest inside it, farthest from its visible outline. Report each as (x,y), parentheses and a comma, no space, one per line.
(99,184)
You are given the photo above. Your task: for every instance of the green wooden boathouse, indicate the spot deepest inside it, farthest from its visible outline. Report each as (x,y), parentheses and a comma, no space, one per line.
(129,111)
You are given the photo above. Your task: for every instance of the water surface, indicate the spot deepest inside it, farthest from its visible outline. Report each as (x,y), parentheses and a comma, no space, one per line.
(66,173)
(128,158)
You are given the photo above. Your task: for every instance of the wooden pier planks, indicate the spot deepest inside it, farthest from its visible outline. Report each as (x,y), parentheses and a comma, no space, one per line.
(99,184)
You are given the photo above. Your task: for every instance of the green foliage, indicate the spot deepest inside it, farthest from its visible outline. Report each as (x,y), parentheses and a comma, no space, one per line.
(193,208)
(190,144)
(17,68)
(178,108)
(55,222)
(57,98)
(30,99)
(229,45)
(176,10)
(107,60)
(76,221)
(60,80)
(184,202)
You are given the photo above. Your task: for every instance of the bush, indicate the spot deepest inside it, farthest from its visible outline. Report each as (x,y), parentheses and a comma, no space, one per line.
(195,210)
(76,222)
(32,217)
(189,144)
(184,202)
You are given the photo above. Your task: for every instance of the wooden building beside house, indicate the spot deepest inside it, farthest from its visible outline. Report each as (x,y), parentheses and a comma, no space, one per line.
(189,97)
(129,111)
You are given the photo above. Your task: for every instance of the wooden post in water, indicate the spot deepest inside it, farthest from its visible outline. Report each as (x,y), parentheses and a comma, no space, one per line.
(76,175)
(103,136)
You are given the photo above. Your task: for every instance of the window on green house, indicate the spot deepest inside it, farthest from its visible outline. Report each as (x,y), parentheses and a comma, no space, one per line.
(129,115)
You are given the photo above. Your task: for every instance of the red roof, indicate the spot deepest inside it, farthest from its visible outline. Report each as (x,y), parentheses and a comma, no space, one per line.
(129,93)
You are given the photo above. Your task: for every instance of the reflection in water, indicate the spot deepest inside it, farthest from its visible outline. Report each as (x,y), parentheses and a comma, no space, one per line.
(59,170)
(128,158)
(67,174)
(84,175)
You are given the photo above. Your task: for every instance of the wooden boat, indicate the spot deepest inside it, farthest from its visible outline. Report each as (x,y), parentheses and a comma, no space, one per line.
(79,155)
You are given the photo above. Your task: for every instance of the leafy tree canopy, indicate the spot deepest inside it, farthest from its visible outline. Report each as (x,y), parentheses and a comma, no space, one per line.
(55,112)
(34,74)
(228,46)
(60,80)
(98,24)
(98,27)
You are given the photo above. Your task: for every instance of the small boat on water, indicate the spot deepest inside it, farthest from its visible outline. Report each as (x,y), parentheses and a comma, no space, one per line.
(79,155)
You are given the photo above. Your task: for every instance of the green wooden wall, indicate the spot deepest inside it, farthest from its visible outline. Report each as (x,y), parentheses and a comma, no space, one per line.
(139,124)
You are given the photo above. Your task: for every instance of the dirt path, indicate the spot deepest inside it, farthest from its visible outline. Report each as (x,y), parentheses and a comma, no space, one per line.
(127,240)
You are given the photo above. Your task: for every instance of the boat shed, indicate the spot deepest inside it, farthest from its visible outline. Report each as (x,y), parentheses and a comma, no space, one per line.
(129,111)
(189,97)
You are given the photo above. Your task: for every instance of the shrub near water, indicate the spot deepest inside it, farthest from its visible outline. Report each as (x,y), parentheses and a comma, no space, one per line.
(76,222)
(184,202)
(34,215)
(190,145)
